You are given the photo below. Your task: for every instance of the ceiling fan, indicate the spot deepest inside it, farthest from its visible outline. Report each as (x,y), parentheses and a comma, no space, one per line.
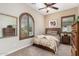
(50,5)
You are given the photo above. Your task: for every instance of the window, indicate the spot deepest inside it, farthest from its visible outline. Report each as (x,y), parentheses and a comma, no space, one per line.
(26,23)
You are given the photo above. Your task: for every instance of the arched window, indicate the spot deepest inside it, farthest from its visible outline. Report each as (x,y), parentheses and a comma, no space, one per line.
(26,26)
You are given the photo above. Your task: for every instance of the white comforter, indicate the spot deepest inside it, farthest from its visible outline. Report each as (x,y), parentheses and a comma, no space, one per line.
(47,40)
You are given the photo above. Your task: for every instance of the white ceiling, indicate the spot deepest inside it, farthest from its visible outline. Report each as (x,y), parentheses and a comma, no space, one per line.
(61,6)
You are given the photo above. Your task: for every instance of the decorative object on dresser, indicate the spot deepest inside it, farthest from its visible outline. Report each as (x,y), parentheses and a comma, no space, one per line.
(9,31)
(75,39)
(66,39)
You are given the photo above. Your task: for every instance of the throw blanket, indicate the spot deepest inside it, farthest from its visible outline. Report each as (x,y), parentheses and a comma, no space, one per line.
(47,40)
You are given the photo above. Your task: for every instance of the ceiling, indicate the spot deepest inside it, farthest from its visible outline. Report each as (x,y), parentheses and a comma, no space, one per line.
(61,6)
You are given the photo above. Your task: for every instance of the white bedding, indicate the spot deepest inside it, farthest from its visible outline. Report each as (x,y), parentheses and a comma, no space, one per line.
(47,40)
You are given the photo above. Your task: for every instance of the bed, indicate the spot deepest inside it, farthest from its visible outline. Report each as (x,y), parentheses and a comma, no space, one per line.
(49,41)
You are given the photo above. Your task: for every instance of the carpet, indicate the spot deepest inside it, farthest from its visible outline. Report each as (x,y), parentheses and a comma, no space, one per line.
(63,50)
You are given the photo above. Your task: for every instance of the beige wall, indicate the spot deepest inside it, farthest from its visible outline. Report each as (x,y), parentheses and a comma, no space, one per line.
(57,16)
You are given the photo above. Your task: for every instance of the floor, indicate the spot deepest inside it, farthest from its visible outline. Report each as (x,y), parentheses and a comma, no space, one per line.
(63,50)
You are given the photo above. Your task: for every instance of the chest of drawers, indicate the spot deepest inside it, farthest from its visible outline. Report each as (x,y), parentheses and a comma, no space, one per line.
(75,39)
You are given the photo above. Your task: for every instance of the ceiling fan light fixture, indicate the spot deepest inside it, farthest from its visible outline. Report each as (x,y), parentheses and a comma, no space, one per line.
(48,8)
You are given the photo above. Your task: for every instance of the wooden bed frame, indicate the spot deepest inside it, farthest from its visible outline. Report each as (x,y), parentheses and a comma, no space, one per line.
(47,48)
(53,29)
(44,47)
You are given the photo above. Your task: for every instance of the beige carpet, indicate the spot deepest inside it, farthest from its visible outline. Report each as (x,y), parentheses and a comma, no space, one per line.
(63,50)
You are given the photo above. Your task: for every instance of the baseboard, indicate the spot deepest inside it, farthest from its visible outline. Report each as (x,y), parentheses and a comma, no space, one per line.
(16,50)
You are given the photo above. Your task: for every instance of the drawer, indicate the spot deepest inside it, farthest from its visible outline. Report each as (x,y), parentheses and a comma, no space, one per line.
(73,51)
(75,38)
(75,27)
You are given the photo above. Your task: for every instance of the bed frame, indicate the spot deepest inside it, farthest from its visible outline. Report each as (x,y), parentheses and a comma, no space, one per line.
(53,29)
(44,47)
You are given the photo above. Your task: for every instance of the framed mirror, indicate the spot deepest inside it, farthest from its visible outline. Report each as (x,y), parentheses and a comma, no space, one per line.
(26,22)
(8,25)
(66,23)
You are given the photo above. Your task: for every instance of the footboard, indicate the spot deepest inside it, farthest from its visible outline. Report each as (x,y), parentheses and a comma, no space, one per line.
(44,47)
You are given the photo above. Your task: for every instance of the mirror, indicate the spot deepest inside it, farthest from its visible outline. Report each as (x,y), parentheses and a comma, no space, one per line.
(67,22)
(8,25)
(26,26)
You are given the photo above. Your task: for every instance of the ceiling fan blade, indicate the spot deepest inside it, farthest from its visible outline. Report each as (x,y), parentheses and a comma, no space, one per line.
(52,4)
(45,4)
(49,4)
(54,7)
(42,8)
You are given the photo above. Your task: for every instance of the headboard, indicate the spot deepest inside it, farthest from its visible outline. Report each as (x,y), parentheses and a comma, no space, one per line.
(53,29)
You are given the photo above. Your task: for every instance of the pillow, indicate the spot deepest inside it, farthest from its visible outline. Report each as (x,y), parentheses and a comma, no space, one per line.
(52,32)
(56,38)
(40,36)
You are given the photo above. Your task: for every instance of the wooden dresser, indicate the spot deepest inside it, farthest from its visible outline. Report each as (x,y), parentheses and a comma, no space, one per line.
(9,31)
(75,39)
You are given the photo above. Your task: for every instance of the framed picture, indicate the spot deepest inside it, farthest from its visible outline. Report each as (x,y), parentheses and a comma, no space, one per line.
(66,23)
(52,23)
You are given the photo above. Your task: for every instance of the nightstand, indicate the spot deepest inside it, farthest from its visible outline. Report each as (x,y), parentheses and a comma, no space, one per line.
(66,39)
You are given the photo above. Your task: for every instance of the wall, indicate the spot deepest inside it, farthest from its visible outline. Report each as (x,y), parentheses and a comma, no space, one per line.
(8,45)
(57,16)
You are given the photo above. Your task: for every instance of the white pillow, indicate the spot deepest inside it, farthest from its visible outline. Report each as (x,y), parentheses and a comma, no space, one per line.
(40,36)
(52,33)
